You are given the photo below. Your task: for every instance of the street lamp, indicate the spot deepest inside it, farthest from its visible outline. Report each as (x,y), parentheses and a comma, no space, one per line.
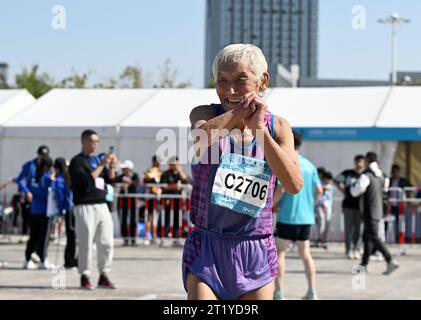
(394,20)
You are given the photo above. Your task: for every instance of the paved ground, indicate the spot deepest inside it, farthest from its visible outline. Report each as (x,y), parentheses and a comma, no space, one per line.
(153,272)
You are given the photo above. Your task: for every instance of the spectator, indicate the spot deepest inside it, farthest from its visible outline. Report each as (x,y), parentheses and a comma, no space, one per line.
(93,218)
(129,181)
(152,176)
(64,197)
(396,181)
(23,180)
(370,186)
(324,209)
(295,218)
(174,177)
(39,222)
(351,207)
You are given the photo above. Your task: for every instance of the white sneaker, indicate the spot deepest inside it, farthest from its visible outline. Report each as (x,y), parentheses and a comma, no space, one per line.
(357,255)
(146,242)
(35,258)
(23,239)
(350,255)
(391,266)
(29,265)
(156,241)
(46,265)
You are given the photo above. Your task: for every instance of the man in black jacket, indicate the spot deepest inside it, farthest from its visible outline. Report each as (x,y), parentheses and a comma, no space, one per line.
(370,187)
(351,207)
(93,218)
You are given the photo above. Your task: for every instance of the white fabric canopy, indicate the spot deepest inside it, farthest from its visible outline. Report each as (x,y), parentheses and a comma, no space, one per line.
(403,109)
(13,102)
(328,107)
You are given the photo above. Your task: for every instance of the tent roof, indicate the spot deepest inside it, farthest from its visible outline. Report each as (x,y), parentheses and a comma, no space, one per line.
(7,94)
(170,108)
(12,102)
(81,108)
(403,109)
(327,112)
(328,107)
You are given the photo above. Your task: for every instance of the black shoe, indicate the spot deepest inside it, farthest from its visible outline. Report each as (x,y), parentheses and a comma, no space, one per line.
(104,282)
(85,283)
(70,265)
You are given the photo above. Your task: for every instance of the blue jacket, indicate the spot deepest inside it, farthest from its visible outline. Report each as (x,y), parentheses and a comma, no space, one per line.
(64,196)
(25,176)
(39,192)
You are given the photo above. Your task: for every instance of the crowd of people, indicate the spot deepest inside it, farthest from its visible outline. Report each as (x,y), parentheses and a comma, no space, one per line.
(82,192)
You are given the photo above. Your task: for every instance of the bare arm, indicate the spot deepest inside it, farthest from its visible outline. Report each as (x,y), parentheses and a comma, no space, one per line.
(281,155)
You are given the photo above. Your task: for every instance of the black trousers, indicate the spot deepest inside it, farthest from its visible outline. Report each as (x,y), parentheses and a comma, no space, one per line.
(128,209)
(70,259)
(38,238)
(371,241)
(24,209)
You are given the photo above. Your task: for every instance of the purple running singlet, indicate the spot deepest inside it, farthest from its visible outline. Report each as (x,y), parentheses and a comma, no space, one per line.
(232,248)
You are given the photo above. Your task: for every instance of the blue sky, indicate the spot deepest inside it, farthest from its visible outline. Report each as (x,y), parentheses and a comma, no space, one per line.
(103,37)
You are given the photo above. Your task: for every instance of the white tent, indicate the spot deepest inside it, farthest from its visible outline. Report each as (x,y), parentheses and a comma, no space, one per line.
(330,119)
(403,109)
(12,103)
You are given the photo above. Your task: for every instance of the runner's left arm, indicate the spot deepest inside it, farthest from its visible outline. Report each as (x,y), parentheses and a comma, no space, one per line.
(281,156)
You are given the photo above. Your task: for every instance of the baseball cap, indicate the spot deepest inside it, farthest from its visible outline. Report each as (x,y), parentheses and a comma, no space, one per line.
(127,164)
(43,150)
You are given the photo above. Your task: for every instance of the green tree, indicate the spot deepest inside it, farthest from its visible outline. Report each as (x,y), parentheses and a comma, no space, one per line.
(109,84)
(168,77)
(131,77)
(74,81)
(212,83)
(37,84)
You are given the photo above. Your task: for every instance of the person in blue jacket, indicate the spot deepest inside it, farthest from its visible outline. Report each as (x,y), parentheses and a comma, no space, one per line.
(23,180)
(39,222)
(64,198)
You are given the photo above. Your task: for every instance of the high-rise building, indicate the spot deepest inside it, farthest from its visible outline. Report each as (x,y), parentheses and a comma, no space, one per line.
(286,31)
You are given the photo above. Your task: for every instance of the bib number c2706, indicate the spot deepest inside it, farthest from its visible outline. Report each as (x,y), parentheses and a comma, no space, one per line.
(245,185)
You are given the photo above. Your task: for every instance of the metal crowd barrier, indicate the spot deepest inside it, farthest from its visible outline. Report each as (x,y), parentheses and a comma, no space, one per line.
(408,222)
(155,206)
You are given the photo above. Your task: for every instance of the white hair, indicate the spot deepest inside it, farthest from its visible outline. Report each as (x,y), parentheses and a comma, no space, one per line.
(246,54)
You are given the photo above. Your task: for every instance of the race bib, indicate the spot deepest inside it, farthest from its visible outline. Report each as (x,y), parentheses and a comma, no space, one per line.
(241,184)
